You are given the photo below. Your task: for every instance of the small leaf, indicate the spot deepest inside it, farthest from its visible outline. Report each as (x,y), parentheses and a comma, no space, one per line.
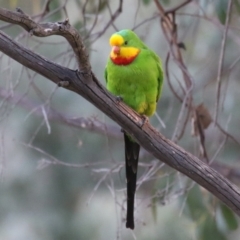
(237,4)
(103,5)
(209,230)
(78,25)
(146,2)
(195,203)
(165,2)
(221,10)
(229,217)
(204,116)
(154,208)
(201,115)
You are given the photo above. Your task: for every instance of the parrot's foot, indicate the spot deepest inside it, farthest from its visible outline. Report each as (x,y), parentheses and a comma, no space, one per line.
(119,99)
(144,120)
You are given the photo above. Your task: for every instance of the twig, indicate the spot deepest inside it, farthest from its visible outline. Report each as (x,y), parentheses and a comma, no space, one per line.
(110,22)
(90,124)
(175,136)
(48,29)
(54,161)
(174,9)
(46,10)
(227,134)
(168,78)
(95,20)
(220,63)
(145,21)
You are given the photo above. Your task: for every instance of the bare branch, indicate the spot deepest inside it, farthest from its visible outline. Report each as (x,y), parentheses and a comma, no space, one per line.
(220,63)
(63,29)
(90,124)
(168,79)
(170,31)
(169,28)
(174,9)
(110,22)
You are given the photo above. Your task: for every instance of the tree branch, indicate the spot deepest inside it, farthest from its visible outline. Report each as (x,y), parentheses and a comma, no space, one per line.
(154,142)
(221,60)
(63,29)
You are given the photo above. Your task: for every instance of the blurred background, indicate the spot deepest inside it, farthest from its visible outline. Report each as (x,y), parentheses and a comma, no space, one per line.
(62,160)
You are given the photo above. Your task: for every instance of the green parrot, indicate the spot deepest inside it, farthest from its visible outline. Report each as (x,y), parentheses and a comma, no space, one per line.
(134,74)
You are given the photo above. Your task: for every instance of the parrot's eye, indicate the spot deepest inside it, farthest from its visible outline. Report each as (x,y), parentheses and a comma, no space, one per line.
(125,43)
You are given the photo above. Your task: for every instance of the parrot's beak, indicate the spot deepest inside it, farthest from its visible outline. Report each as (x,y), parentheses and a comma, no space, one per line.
(116,50)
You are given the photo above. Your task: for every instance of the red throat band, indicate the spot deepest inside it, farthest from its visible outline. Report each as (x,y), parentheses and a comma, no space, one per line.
(119,60)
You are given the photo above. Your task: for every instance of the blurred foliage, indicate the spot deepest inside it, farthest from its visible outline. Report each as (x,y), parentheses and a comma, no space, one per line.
(201,212)
(209,228)
(166,2)
(229,217)
(42,199)
(237,5)
(221,10)
(146,2)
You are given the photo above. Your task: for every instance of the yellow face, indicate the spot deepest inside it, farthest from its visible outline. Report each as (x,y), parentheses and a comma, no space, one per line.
(120,48)
(116,40)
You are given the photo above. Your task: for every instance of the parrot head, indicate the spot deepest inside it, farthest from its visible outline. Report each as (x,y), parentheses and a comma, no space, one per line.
(126,46)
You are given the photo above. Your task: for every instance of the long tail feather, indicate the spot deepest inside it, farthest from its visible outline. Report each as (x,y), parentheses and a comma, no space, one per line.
(131,161)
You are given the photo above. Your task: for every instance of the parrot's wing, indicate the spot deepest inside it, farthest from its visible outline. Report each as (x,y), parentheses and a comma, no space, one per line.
(160,76)
(105,74)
